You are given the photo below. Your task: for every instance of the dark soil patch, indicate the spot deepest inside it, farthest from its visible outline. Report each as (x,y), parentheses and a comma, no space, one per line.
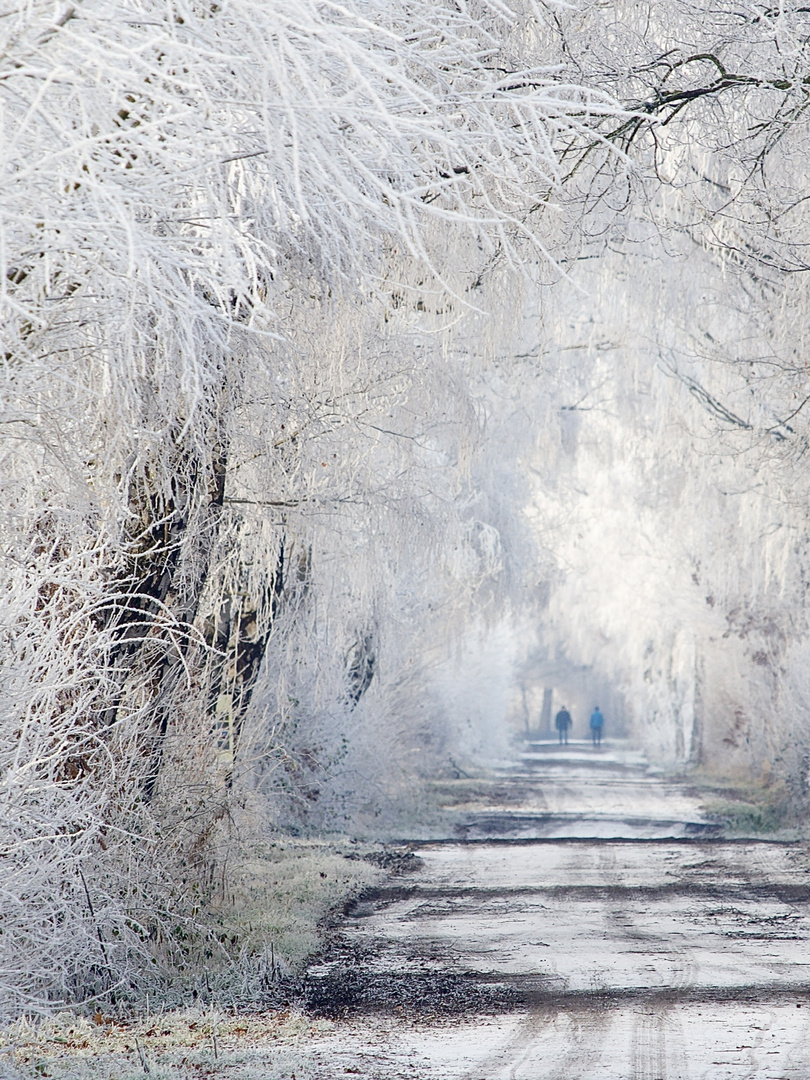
(378,897)
(498,826)
(395,860)
(353,991)
(441,995)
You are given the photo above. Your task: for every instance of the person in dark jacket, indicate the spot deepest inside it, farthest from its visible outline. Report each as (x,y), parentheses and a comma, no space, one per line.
(562,722)
(597,723)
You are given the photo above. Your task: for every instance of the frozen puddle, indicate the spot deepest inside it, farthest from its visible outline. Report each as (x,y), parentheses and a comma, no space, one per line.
(652,949)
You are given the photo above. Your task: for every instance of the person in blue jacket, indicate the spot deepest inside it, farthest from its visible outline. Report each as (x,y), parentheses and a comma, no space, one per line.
(597,723)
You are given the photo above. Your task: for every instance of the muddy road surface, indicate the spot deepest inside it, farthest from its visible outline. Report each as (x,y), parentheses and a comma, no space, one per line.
(574,917)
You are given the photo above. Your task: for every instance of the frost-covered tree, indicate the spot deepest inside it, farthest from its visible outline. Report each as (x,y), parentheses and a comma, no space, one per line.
(234,237)
(683,385)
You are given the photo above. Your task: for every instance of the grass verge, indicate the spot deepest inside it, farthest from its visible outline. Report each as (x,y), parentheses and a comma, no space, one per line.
(228,1008)
(745,809)
(174,1045)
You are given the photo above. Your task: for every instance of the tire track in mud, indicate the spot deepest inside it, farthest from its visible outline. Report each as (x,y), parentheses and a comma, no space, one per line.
(650,1046)
(567,1045)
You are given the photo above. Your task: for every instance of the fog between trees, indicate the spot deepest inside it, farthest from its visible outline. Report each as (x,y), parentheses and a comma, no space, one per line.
(340,342)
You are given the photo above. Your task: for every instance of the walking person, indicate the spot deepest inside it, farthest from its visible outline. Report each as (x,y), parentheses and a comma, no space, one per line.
(562,722)
(597,723)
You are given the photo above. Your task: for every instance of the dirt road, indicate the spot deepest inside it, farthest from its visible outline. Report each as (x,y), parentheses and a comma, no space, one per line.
(578,919)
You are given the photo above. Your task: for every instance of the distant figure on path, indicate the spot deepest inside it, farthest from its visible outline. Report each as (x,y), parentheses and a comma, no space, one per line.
(597,723)
(562,722)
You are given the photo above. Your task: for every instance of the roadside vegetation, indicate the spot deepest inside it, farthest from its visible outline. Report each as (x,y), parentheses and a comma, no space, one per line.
(180,1045)
(751,809)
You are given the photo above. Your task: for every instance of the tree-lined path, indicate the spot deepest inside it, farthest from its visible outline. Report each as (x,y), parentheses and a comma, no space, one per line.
(362,365)
(580,919)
